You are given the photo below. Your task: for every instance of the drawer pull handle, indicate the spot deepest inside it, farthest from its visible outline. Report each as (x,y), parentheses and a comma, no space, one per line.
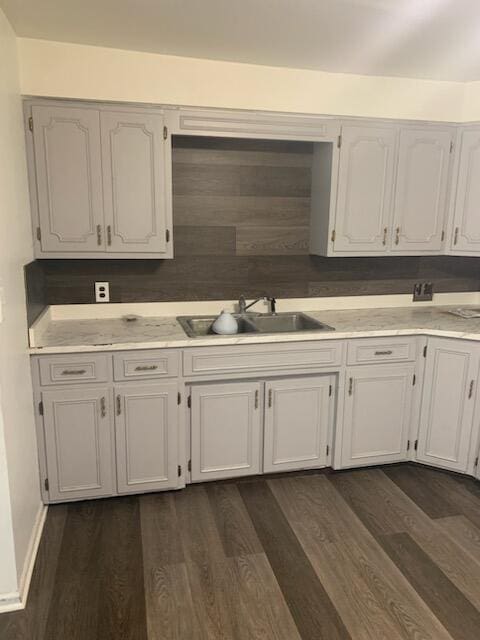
(109,235)
(397,235)
(256,399)
(388,352)
(350,387)
(455,237)
(73,372)
(470,389)
(99,235)
(119,405)
(270,397)
(146,367)
(384,241)
(103,407)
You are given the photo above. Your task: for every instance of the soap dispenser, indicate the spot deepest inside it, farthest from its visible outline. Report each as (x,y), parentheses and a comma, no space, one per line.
(225,324)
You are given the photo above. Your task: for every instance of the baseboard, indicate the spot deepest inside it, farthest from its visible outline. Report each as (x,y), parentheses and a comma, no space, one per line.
(18,599)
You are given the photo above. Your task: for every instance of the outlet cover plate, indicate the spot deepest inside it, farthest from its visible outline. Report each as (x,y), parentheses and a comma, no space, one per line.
(102,292)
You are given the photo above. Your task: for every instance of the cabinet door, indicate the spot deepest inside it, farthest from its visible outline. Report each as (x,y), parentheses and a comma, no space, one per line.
(421,190)
(466,231)
(78,439)
(447,405)
(226,430)
(377,414)
(365,185)
(297,419)
(69,178)
(146,428)
(133,151)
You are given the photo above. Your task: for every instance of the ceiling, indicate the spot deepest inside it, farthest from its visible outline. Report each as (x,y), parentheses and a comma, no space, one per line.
(436,39)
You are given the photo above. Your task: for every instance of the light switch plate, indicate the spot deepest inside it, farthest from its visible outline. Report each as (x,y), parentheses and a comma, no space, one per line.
(102,292)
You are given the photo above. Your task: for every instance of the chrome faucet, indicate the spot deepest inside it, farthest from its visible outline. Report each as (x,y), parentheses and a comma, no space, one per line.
(243,306)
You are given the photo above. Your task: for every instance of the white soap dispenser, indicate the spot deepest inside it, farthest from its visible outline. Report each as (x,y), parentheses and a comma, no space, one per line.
(225,324)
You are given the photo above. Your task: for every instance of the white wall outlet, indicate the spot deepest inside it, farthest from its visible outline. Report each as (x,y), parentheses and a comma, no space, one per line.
(102,292)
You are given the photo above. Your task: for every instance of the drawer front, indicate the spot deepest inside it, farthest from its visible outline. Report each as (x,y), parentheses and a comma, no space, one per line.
(384,350)
(74,368)
(145,364)
(260,358)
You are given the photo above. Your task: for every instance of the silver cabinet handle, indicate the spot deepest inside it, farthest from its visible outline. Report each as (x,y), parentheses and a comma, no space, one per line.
(270,397)
(103,407)
(350,387)
(256,399)
(384,241)
(470,389)
(73,372)
(99,234)
(109,235)
(146,367)
(388,352)
(119,405)
(397,235)
(455,236)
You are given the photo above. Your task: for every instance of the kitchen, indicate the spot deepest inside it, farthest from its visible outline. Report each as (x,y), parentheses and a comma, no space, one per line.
(219,457)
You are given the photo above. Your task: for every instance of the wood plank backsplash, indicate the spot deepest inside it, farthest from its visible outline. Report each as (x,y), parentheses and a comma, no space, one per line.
(241,214)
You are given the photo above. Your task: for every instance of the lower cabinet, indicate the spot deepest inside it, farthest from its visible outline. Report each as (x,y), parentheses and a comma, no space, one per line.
(146,436)
(449,391)
(226,433)
(297,419)
(377,414)
(78,429)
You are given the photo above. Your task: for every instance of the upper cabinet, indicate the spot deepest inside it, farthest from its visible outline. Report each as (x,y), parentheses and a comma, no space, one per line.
(421,190)
(465,238)
(365,186)
(391,192)
(100,183)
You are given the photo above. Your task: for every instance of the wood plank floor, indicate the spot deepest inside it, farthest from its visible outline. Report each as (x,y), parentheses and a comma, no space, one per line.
(388,553)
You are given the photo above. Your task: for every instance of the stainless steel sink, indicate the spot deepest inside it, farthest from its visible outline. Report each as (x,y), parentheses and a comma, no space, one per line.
(200,326)
(288,323)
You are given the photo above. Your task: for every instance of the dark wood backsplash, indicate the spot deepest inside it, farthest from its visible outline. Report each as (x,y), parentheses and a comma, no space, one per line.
(241,211)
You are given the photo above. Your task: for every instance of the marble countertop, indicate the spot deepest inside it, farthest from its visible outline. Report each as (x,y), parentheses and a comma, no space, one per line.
(67,336)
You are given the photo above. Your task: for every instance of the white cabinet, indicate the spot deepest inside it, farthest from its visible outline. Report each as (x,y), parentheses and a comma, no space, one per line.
(101,182)
(365,187)
(134,182)
(466,222)
(297,422)
(449,391)
(421,190)
(146,428)
(78,442)
(68,167)
(226,421)
(377,414)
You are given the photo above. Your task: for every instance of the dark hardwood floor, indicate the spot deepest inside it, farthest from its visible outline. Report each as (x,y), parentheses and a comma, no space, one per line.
(376,554)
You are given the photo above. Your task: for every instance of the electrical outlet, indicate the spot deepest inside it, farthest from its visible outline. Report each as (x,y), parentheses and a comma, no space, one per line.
(422,291)
(102,292)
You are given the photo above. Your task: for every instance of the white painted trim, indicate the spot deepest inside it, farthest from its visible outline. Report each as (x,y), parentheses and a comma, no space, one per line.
(18,599)
(171,309)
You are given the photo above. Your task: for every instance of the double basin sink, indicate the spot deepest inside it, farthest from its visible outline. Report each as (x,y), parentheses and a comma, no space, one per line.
(199,326)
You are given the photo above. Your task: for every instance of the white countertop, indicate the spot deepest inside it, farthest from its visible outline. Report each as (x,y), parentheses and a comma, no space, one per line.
(157,332)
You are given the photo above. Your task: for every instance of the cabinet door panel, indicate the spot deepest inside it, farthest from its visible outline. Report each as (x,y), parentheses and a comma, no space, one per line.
(377,414)
(297,418)
(78,437)
(421,190)
(134,182)
(466,232)
(365,185)
(447,404)
(146,426)
(69,183)
(226,430)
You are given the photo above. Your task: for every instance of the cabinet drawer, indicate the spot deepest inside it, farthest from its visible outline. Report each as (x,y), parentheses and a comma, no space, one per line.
(383,350)
(73,368)
(145,364)
(259,358)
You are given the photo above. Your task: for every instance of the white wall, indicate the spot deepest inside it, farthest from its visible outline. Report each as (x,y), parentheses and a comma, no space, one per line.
(15,383)
(98,73)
